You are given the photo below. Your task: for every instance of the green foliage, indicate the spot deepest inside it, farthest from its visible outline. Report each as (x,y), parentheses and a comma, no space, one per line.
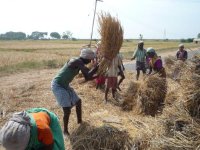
(55,35)
(189,40)
(67,35)
(13,36)
(182,40)
(37,35)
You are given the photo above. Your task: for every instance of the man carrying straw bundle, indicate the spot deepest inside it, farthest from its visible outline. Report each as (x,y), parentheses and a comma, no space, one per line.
(140,55)
(112,74)
(65,95)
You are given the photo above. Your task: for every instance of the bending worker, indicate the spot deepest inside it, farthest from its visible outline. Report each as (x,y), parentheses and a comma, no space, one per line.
(34,129)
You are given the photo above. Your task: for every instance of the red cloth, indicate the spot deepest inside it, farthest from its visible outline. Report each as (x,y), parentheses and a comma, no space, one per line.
(100,80)
(111,82)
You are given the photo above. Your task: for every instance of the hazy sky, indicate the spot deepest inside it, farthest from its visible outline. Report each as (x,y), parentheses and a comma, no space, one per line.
(151,18)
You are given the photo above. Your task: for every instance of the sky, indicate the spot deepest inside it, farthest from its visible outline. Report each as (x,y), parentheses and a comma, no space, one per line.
(154,19)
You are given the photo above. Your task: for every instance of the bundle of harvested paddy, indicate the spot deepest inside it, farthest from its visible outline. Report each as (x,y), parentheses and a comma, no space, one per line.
(152,94)
(130,96)
(169,61)
(104,137)
(111,33)
(182,132)
(147,96)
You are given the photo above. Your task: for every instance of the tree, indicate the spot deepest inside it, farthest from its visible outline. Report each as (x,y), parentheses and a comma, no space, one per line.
(13,36)
(198,36)
(55,35)
(67,35)
(36,35)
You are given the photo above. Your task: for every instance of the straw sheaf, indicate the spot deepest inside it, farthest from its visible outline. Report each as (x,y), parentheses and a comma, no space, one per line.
(111,33)
(152,94)
(147,96)
(96,138)
(130,96)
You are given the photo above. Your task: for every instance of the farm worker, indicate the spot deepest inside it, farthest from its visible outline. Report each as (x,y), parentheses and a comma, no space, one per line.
(155,63)
(100,80)
(65,95)
(181,53)
(140,55)
(36,128)
(121,72)
(111,79)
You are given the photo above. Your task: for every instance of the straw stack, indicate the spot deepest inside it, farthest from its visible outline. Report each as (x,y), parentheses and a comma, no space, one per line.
(147,96)
(130,96)
(103,137)
(152,94)
(111,33)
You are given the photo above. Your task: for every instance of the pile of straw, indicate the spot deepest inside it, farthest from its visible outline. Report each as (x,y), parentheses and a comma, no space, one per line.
(104,137)
(152,94)
(130,96)
(147,96)
(190,83)
(169,61)
(181,131)
(111,33)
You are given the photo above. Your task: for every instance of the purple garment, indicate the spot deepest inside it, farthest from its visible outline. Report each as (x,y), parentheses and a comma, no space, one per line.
(182,54)
(158,65)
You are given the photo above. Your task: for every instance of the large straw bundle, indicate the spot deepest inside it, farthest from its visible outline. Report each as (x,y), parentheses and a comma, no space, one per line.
(152,93)
(104,137)
(130,96)
(147,96)
(111,39)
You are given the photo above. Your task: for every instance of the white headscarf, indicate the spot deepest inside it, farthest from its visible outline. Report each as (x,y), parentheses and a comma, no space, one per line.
(87,53)
(180,45)
(15,134)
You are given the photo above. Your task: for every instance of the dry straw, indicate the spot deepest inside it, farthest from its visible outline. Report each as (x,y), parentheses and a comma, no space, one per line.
(111,33)
(147,97)
(96,138)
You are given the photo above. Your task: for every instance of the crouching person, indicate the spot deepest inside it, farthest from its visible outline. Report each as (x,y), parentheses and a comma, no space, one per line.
(155,63)
(65,95)
(34,129)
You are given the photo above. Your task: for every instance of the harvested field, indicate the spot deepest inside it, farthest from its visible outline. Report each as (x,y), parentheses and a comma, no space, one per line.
(176,127)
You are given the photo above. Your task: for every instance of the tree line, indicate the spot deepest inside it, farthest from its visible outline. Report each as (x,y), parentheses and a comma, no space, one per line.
(36,35)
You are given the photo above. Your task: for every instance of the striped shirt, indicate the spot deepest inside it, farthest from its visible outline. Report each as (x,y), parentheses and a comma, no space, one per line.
(140,55)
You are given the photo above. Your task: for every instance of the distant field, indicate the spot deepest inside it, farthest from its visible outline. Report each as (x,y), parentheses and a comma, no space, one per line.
(17,56)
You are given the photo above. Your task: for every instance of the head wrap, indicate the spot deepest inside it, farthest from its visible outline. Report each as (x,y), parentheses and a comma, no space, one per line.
(180,45)
(87,53)
(150,50)
(141,42)
(15,134)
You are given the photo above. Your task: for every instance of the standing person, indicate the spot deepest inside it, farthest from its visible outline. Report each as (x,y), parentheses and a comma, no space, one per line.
(181,56)
(34,129)
(181,53)
(65,95)
(155,63)
(112,74)
(121,72)
(140,55)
